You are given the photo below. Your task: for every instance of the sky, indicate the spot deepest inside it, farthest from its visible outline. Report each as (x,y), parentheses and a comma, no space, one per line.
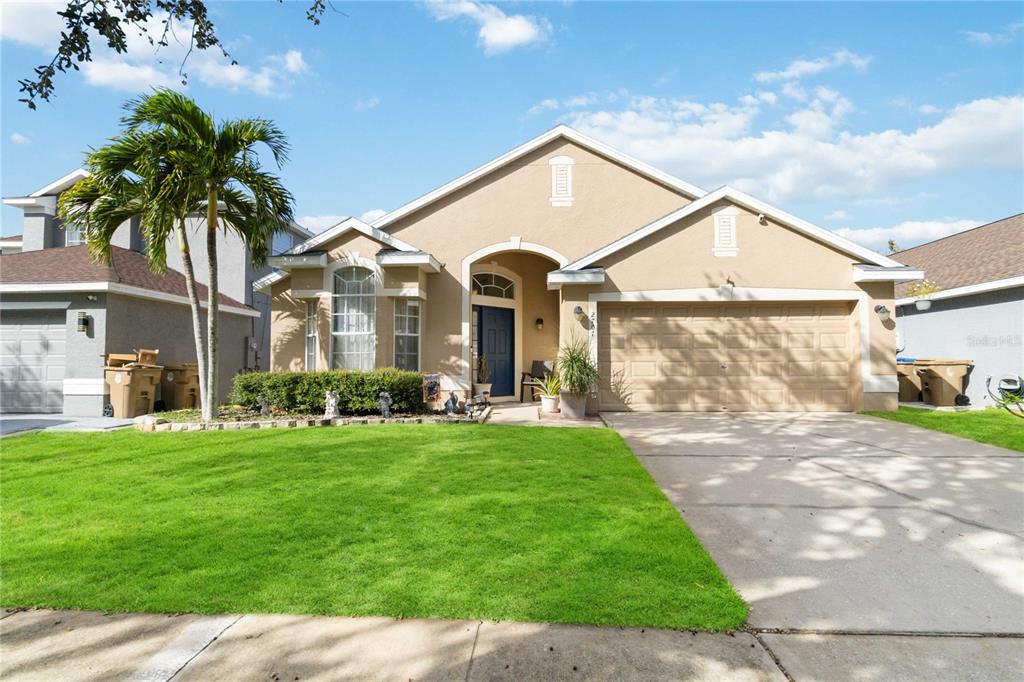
(879,121)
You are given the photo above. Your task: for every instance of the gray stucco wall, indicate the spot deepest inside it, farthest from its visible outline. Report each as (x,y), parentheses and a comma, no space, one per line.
(986,328)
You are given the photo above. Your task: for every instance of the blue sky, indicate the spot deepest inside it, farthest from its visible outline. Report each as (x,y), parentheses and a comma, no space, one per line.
(876,120)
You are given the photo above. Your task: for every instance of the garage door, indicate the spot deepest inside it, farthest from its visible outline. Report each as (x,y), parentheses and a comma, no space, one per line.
(732,356)
(32,360)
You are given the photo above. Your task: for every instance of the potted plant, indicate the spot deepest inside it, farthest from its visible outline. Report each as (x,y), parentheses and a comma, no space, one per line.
(483,376)
(550,387)
(578,375)
(922,291)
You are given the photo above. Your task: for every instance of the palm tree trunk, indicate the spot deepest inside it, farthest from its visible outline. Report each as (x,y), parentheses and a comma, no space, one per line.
(210,407)
(197,315)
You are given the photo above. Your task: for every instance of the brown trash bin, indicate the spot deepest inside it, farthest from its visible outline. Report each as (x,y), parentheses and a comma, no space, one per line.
(942,379)
(132,388)
(179,386)
(909,382)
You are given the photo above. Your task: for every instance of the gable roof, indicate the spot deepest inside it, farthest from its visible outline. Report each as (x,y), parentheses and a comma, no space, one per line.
(561,131)
(987,253)
(741,199)
(61,184)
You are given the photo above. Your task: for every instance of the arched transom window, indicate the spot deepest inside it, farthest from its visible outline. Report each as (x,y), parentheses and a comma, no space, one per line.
(490,284)
(354,323)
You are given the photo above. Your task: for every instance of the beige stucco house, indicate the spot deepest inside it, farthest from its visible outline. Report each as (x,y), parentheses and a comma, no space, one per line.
(690,300)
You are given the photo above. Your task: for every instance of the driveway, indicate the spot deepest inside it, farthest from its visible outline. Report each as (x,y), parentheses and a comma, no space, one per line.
(11,424)
(834,524)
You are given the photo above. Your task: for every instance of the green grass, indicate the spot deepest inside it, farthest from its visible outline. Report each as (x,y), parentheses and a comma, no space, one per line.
(445,521)
(992,426)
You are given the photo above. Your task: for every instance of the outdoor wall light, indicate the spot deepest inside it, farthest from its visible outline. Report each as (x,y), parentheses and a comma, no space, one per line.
(539,324)
(578,312)
(83,322)
(883,313)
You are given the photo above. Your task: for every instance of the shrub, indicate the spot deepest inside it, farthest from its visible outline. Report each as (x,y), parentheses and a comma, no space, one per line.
(303,392)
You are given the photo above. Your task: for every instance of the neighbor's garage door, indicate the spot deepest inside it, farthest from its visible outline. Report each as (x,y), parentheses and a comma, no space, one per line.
(32,360)
(731,356)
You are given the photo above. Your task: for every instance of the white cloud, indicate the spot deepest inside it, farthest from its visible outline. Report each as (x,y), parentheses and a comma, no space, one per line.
(1004,37)
(838,214)
(294,62)
(367,103)
(36,23)
(714,144)
(498,32)
(929,109)
(18,138)
(906,234)
(319,223)
(121,75)
(372,214)
(803,67)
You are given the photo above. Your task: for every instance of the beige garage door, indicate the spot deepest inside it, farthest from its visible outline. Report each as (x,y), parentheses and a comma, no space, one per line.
(730,356)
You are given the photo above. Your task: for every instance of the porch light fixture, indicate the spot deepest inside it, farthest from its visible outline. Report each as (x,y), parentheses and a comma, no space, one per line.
(83,322)
(539,324)
(578,312)
(883,313)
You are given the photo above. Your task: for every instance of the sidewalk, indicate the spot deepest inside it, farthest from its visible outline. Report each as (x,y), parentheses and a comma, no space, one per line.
(77,645)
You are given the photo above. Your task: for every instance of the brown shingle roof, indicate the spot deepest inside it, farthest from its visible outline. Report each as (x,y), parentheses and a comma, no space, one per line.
(984,254)
(72,264)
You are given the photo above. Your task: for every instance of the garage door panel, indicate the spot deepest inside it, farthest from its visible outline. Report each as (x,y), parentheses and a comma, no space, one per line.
(32,360)
(729,356)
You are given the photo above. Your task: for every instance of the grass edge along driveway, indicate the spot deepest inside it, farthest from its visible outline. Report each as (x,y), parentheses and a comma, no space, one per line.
(443,521)
(992,426)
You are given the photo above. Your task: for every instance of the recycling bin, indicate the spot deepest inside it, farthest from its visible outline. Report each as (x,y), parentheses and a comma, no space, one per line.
(942,380)
(132,388)
(179,386)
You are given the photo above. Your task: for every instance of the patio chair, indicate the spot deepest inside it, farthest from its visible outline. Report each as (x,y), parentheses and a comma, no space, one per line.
(534,379)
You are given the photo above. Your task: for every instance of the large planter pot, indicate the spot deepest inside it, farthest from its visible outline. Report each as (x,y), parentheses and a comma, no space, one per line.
(923,304)
(480,389)
(548,403)
(573,406)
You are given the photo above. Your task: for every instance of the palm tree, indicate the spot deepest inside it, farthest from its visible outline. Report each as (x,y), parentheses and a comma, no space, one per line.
(175,161)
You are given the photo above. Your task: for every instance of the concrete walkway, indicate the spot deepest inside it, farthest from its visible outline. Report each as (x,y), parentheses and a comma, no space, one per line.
(11,424)
(529,414)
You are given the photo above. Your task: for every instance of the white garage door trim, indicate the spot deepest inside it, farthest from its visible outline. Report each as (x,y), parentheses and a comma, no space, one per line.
(873,383)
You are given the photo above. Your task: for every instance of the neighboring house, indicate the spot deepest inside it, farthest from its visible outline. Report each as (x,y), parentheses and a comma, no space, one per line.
(48,365)
(979,313)
(11,244)
(691,300)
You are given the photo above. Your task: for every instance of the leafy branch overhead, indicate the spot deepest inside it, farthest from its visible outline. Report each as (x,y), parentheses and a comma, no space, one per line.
(109,20)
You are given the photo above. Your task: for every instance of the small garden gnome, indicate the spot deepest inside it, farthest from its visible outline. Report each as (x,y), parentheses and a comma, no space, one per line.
(451,406)
(384,403)
(264,405)
(331,407)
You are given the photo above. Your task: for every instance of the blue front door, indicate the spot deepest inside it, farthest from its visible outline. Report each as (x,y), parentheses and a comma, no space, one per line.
(495,336)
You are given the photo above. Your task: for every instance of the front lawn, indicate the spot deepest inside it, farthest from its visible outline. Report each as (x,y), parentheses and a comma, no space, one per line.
(996,427)
(444,521)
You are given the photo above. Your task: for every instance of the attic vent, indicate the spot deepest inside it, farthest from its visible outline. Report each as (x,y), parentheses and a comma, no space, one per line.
(726,244)
(561,180)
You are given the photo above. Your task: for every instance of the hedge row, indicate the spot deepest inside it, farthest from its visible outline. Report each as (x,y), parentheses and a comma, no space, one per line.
(304,392)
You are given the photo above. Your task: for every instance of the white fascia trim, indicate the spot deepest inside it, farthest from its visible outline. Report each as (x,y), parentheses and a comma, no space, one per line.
(87,386)
(311,260)
(557,278)
(115,288)
(351,224)
(264,282)
(6,241)
(300,230)
(48,204)
(971,289)
(902,274)
(63,183)
(748,202)
(424,261)
(527,147)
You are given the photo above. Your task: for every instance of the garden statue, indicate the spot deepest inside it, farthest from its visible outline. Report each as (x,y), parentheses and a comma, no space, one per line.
(264,405)
(384,403)
(469,407)
(331,408)
(451,406)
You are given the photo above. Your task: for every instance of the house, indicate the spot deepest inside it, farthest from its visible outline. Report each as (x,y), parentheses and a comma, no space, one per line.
(690,300)
(60,312)
(978,314)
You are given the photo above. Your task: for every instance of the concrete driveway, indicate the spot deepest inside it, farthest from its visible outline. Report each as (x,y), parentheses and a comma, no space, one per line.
(11,424)
(836,524)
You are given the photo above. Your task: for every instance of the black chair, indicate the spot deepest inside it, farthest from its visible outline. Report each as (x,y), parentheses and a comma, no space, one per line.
(535,378)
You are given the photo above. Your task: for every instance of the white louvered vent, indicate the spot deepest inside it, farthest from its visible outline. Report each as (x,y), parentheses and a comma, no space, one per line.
(726,243)
(561,180)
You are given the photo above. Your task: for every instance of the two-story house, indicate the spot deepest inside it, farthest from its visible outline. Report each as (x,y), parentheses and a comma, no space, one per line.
(60,312)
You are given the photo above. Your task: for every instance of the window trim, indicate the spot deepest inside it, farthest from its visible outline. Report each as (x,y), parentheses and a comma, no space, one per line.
(418,334)
(561,164)
(312,333)
(726,232)
(68,231)
(332,274)
(510,288)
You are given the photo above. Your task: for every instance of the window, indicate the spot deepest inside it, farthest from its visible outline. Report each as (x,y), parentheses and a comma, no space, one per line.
(489,284)
(407,334)
(73,236)
(725,231)
(354,317)
(311,335)
(281,242)
(561,180)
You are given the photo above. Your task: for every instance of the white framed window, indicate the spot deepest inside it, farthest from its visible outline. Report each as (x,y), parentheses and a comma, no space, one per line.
(561,180)
(490,284)
(311,335)
(353,319)
(407,334)
(73,235)
(726,241)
